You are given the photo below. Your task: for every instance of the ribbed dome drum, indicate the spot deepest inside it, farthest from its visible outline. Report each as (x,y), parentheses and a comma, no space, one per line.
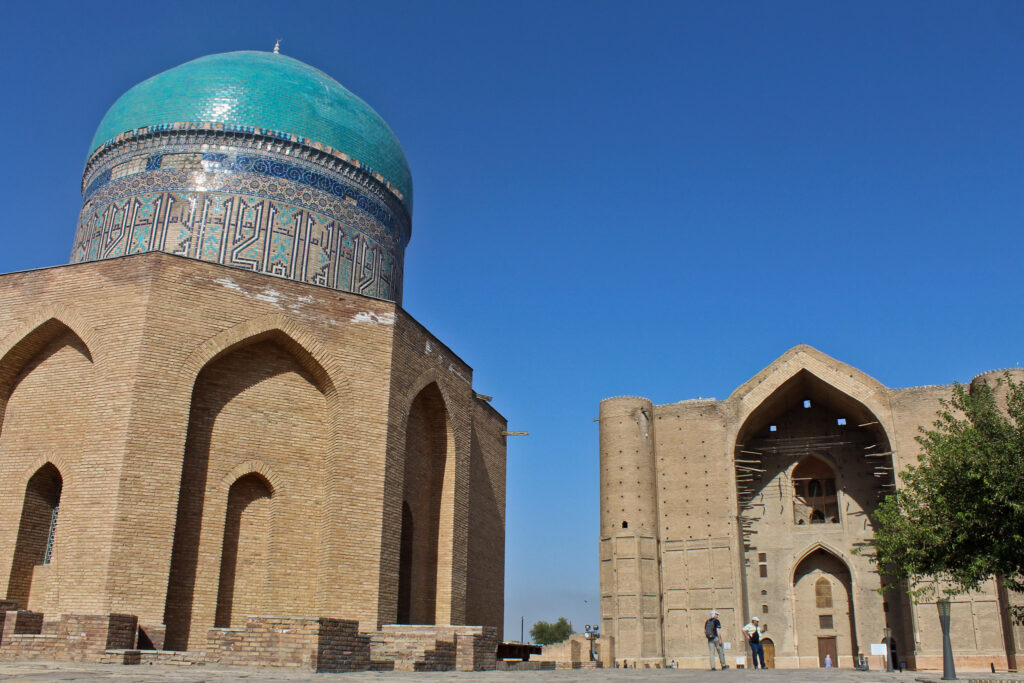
(253,160)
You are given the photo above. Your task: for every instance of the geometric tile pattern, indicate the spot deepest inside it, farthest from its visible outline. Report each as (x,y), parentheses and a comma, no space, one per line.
(264,212)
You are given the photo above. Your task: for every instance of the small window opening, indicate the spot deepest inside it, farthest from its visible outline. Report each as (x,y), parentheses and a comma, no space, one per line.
(764,609)
(773,428)
(53,528)
(625,525)
(841,421)
(807,403)
(763,570)
(825,621)
(762,557)
(823,594)
(49,538)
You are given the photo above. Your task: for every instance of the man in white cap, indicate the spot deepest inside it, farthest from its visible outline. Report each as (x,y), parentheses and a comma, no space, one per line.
(752,631)
(713,631)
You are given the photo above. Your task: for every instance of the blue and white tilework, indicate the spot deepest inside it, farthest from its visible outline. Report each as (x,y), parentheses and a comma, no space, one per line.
(247,206)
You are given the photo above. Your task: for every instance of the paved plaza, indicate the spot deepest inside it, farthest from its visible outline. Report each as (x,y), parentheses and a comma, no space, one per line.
(52,671)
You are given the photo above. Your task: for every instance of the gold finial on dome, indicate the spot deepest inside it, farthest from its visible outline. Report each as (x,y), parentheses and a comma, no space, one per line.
(277,47)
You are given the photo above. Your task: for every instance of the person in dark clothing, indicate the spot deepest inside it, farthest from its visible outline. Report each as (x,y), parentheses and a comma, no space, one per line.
(713,631)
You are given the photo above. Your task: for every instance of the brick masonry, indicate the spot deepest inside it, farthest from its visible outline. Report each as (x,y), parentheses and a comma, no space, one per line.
(231,445)
(702,507)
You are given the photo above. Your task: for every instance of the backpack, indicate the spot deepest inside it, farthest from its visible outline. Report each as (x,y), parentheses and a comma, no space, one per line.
(709,629)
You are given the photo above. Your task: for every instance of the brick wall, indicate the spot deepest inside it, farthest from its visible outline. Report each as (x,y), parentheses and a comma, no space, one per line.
(726,535)
(318,644)
(141,377)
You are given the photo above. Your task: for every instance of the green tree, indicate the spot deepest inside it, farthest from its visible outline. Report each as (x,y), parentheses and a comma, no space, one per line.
(958,518)
(544,633)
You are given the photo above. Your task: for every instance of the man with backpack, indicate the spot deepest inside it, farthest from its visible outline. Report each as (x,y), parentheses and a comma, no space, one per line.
(713,631)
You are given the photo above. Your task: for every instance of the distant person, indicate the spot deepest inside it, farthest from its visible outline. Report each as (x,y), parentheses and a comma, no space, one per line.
(828,661)
(752,632)
(713,631)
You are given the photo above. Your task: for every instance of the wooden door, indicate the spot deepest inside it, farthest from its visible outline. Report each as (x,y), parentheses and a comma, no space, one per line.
(769,653)
(827,646)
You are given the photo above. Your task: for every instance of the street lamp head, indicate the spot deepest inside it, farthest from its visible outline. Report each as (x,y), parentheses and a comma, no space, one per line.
(944,608)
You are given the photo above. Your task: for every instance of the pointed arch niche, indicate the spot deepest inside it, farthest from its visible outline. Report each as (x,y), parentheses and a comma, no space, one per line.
(811,455)
(37,530)
(812,464)
(244,543)
(46,398)
(428,496)
(823,609)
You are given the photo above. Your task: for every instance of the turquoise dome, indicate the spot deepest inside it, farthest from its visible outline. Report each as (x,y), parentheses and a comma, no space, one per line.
(264,90)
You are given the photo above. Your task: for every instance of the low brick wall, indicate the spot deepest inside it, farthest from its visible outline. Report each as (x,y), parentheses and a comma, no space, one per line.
(73,638)
(312,644)
(318,644)
(435,648)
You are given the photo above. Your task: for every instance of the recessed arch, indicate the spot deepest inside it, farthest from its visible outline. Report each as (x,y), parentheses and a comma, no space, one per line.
(823,607)
(47,323)
(788,396)
(23,347)
(245,562)
(818,546)
(303,344)
(263,404)
(36,539)
(858,385)
(427,510)
(814,491)
(251,467)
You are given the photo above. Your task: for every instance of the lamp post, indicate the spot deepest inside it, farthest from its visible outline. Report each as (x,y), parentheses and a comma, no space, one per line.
(948,671)
(888,650)
(593,633)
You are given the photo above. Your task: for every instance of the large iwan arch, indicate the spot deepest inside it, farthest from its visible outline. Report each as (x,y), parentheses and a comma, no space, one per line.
(263,398)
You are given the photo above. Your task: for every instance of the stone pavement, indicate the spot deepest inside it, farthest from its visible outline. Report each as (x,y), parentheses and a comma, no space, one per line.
(50,671)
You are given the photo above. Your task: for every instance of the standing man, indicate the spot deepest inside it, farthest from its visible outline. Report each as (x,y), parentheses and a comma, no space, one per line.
(752,632)
(713,631)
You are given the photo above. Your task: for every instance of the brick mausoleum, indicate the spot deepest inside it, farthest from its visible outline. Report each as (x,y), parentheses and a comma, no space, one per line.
(754,506)
(221,436)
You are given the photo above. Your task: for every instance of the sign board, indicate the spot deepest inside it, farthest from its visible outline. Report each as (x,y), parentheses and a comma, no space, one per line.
(741,661)
(879,649)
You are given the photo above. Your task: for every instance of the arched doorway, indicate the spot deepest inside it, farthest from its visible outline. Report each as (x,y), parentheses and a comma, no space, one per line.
(823,607)
(769,652)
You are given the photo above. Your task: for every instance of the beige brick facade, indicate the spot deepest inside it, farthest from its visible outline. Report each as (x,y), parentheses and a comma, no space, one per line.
(222,445)
(753,506)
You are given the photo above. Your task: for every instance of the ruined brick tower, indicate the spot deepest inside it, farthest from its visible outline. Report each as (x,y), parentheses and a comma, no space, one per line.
(220,411)
(753,506)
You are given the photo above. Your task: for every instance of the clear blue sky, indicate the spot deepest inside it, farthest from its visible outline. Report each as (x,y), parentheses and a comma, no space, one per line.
(618,198)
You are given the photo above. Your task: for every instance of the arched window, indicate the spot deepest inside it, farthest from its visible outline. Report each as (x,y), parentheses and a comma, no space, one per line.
(823,593)
(814,492)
